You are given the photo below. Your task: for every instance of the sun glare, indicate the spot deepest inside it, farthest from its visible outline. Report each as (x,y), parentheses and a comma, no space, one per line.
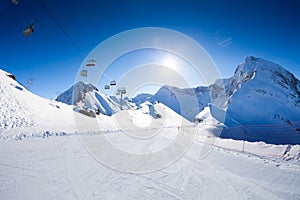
(170,62)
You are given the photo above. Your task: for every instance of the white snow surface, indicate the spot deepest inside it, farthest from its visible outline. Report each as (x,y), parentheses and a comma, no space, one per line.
(24,114)
(21,111)
(61,168)
(43,156)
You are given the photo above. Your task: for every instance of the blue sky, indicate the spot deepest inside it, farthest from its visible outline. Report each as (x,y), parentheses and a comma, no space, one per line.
(267,29)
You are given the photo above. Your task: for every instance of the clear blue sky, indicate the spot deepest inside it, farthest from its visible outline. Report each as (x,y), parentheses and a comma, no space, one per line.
(268,28)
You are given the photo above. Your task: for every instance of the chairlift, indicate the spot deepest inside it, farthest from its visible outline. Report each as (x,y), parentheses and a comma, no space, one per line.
(84,73)
(123,90)
(113,83)
(28,30)
(16,2)
(106,87)
(91,63)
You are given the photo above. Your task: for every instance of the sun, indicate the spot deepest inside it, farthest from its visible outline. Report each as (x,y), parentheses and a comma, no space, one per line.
(170,62)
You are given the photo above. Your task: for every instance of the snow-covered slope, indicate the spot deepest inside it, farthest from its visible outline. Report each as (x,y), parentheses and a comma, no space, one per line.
(14,112)
(61,168)
(24,112)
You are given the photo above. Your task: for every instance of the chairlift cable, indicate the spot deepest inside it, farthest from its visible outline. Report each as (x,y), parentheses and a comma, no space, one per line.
(106,76)
(65,33)
(59,26)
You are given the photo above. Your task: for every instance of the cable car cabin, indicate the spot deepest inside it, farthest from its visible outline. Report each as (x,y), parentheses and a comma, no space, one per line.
(28,31)
(84,73)
(90,63)
(106,87)
(113,83)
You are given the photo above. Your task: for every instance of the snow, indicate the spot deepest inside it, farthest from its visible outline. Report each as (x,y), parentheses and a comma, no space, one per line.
(186,102)
(259,92)
(44,153)
(85,96)
(269,94)
(61,168)
(261,99)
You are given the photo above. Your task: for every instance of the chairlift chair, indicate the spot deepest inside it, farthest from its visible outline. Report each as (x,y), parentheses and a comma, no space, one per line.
(113,83)
(84,73)
(16,2)
(106,87)
(28,30)
(91,63)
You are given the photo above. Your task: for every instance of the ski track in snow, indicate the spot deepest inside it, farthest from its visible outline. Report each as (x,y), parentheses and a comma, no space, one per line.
(61,168)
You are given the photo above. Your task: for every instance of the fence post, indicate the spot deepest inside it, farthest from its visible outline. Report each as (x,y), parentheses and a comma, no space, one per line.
(244,133)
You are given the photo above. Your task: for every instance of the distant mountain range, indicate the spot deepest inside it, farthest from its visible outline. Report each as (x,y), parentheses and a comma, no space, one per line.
(261,102)
(259,92)
(261,97)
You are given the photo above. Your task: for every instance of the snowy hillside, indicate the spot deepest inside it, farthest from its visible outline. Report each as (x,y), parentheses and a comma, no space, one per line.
(25,113)
(14,112)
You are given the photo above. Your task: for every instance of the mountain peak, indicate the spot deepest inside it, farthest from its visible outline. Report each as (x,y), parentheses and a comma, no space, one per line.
(250,59)
(85,86)
(76,93)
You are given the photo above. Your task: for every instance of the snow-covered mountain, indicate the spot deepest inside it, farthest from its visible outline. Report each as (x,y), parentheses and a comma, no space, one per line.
(262,92)
(259,92)
(262,103)
(87,99)
(186,102)
(261,97)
